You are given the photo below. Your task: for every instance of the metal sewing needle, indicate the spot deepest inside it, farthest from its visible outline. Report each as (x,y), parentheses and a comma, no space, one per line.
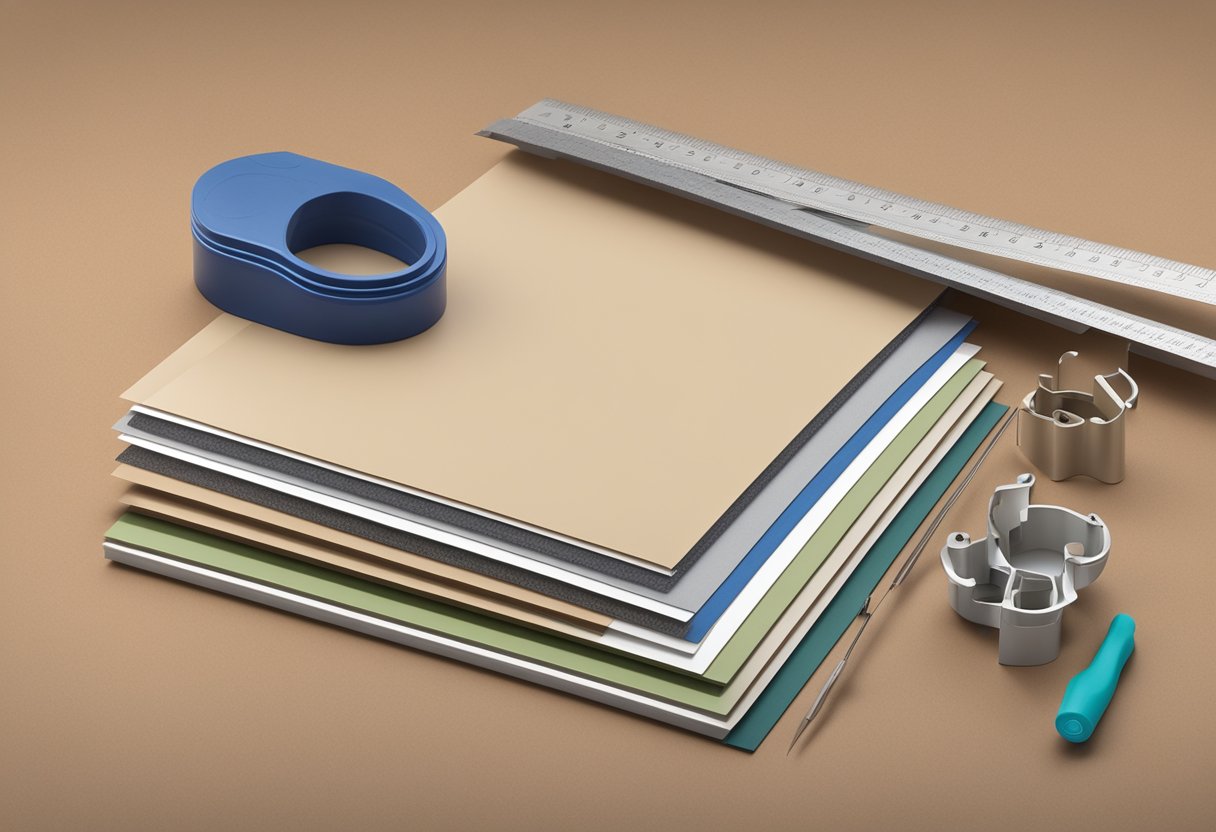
(866,613)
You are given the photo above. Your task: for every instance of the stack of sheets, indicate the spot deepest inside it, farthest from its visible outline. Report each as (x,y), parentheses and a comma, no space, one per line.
(652,455)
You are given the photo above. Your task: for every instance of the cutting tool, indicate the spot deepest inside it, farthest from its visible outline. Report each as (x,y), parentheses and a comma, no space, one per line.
(867,614)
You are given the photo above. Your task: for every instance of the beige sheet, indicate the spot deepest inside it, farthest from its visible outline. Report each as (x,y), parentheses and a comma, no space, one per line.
(316,539)
(195,515)
(605,349)
(952,422)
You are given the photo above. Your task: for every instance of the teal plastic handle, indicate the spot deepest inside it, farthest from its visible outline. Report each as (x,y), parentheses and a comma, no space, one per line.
(1090,691)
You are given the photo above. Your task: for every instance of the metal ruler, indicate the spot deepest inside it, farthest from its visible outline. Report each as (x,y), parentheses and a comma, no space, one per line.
(851,217)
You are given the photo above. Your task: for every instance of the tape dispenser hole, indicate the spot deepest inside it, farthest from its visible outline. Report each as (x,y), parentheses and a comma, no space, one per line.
(355,234)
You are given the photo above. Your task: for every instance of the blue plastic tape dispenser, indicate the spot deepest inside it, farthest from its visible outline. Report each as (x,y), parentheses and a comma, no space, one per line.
(250,215)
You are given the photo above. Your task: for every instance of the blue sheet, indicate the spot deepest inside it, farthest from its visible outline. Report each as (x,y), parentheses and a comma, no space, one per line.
(712,609)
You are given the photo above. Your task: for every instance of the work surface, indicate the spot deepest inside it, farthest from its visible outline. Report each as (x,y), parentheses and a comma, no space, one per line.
(131,702)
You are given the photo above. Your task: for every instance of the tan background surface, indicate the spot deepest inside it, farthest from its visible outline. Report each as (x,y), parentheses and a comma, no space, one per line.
(129,702)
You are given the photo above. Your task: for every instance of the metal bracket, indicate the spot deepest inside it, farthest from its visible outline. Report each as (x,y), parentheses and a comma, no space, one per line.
(1068,433)
(1025,572)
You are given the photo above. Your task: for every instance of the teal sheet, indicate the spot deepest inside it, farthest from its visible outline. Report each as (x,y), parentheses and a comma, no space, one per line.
(806,658)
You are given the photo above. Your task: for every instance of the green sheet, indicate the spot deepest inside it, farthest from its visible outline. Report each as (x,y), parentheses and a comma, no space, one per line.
(704,694)
(811,651)
(835,621)
(824,540)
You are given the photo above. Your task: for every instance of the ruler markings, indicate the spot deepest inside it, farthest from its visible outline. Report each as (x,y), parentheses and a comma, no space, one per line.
(896,212)
(747,185)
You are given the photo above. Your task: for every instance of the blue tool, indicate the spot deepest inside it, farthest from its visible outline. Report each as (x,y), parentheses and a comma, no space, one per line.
(1090,691)
(250,216)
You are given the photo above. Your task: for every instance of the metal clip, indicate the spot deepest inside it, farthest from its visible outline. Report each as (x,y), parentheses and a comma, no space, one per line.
(1025,572)
(1067,433)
